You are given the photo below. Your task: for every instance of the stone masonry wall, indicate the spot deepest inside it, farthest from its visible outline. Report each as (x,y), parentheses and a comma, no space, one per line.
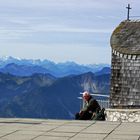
(123,115)
(125,81)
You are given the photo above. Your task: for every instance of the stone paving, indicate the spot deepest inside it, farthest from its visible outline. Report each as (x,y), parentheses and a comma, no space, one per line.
(44,129)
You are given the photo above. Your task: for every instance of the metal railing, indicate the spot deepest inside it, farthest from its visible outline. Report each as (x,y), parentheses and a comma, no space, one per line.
(104,103)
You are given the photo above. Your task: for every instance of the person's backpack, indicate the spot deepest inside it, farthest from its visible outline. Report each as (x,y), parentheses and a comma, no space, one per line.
(99,115)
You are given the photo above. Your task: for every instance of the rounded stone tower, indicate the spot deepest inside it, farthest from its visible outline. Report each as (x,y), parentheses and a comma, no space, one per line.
(125,75)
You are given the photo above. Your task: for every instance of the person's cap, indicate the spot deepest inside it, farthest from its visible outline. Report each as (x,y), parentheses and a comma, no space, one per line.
(86,93)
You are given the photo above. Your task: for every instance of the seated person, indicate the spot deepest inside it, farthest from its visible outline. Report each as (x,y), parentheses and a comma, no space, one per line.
(90,110)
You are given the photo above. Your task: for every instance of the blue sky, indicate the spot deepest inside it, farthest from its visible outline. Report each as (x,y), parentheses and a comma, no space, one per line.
(61,30)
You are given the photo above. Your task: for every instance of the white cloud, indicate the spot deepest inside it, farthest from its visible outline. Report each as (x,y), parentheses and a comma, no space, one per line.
(77,21)
(60,28)
(15,34)
(57,3)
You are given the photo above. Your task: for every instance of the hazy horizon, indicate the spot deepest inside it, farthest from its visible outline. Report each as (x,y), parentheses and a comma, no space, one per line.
(59,62)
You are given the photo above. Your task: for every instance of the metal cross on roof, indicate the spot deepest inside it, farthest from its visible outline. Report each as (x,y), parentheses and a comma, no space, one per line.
(128,12)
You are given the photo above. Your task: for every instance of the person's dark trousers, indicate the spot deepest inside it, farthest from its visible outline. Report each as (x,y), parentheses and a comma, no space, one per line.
(77,116)
(83,116)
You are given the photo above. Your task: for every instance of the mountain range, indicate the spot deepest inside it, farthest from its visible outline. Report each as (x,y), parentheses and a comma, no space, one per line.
(27,67)
(45,96)
(44,89)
